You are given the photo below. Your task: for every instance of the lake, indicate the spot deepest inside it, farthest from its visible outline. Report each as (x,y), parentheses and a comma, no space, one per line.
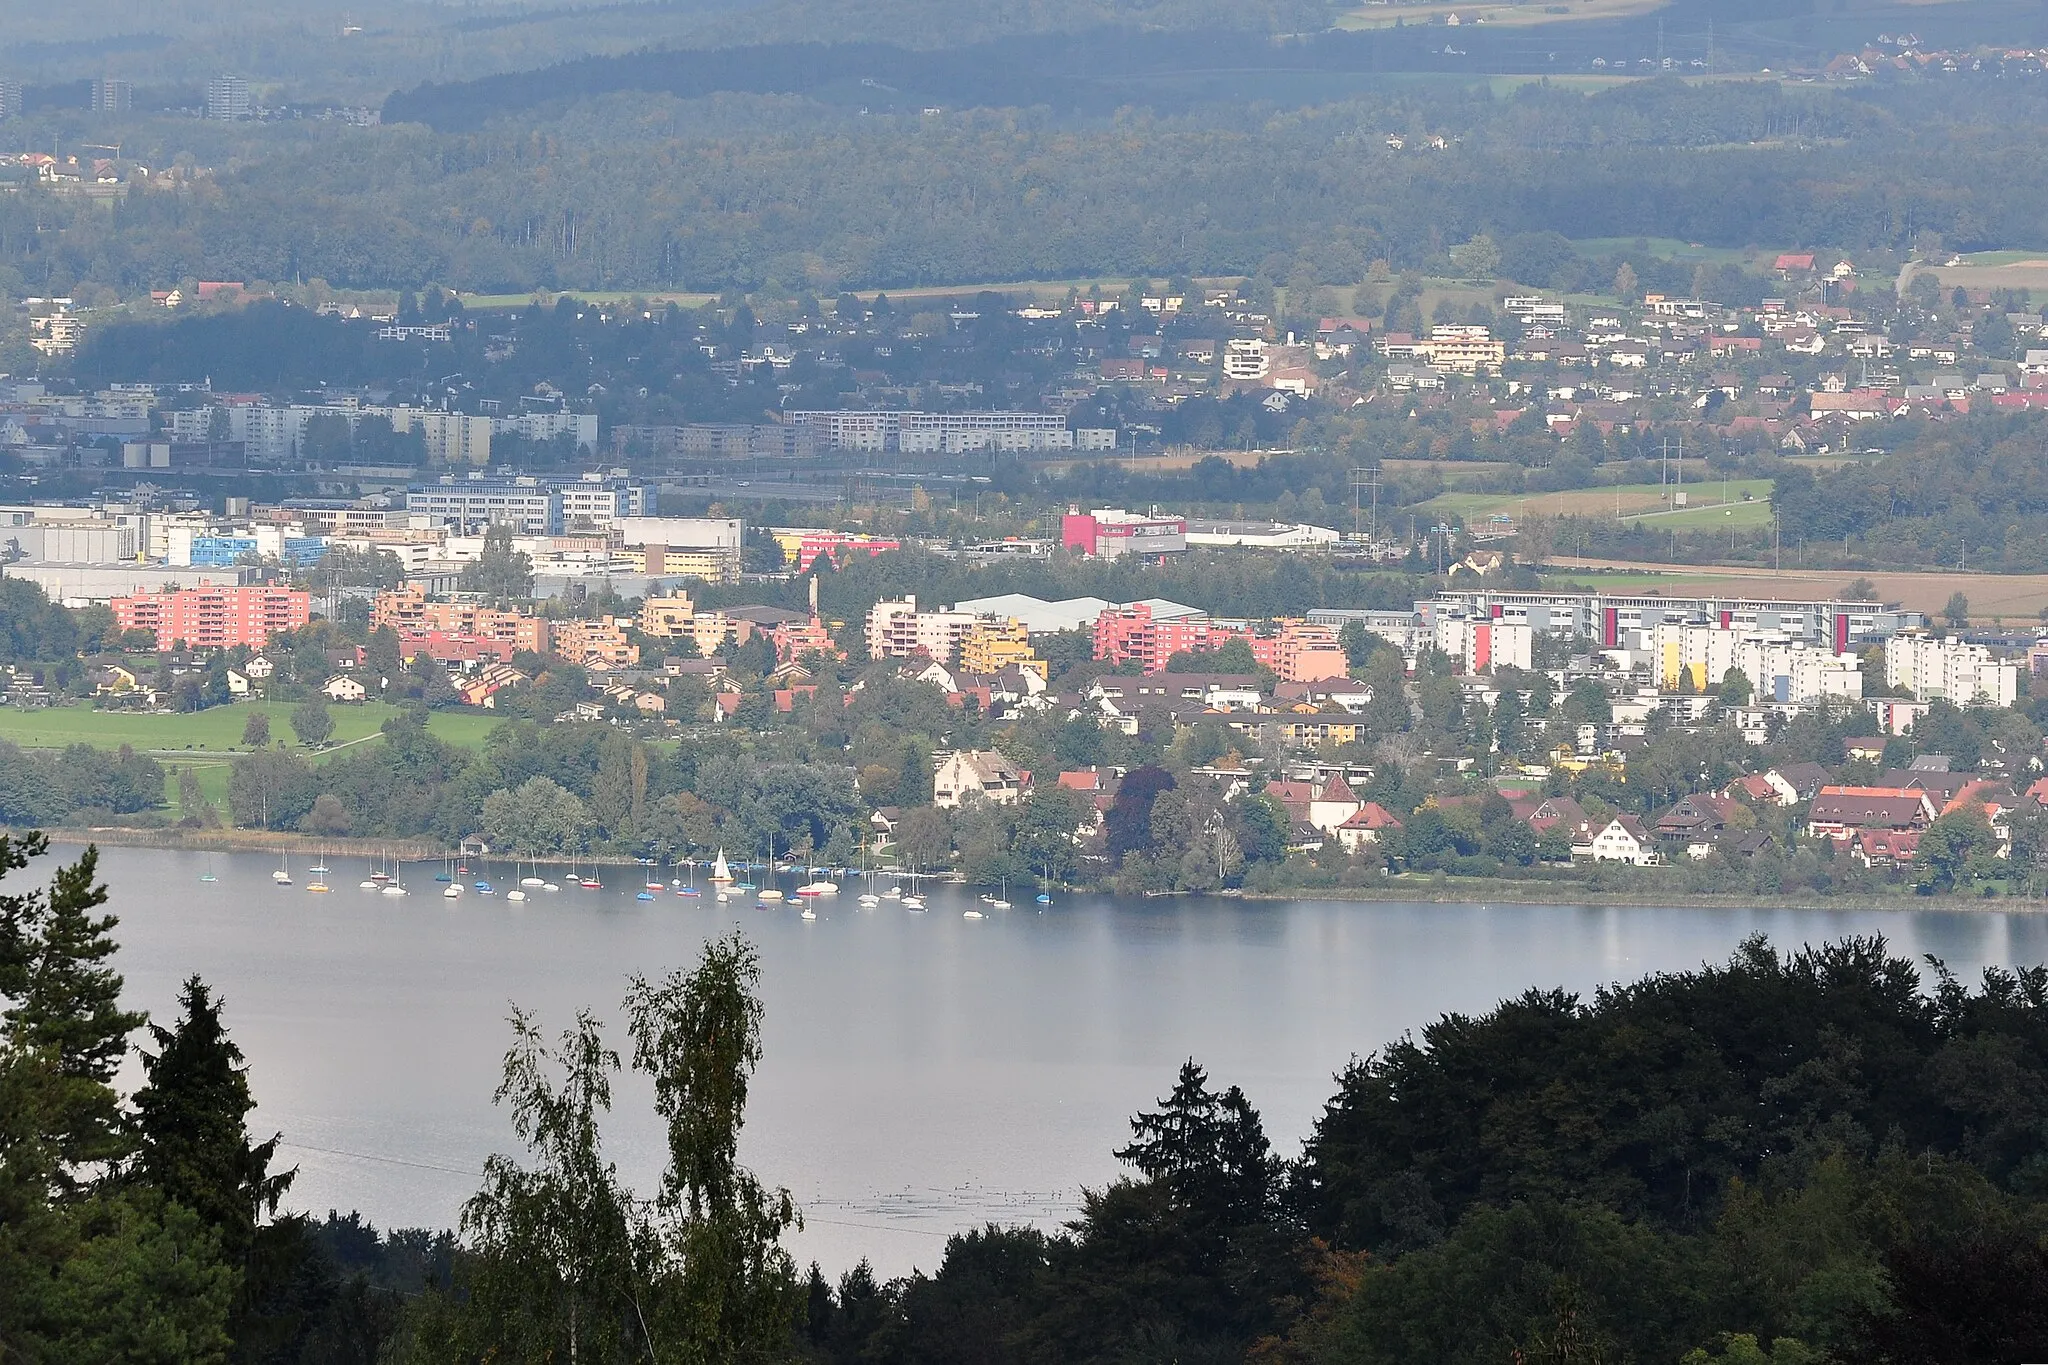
(923,1073)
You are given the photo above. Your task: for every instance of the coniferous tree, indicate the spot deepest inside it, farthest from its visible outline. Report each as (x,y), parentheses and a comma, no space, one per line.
(191,1117)
(66,1005)
(89,1271)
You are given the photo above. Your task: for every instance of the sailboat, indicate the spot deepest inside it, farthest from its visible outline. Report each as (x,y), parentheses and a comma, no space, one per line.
(719,871)
(207,876)
(319,870)
(283,875)
(690,888)
(998,902)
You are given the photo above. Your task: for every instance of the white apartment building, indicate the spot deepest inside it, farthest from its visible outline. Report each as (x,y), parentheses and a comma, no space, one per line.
(1535,309)
(450,437)
(546,426)
(1948,669)
(949,433)
(270,432)
(1245,359)
(1778,667)
(897,630)
(1464,349)
(1483,644)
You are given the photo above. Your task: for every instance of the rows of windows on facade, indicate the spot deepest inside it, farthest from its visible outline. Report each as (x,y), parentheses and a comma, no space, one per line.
(227,97)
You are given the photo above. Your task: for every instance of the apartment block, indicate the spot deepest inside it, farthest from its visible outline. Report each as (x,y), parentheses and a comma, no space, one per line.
(991,645)
(600,641)
(1300,651)
(408,611)
(1151,633)
(548,507)
(1609,620)
(796,639)
(1950,670)
(677,618)
(111,96)
(209,617)
(1778,669)
(1483,644)
(948,433)
(227,98)
(897,630)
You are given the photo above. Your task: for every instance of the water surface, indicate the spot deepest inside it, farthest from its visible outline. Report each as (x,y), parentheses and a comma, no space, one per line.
(923,1072)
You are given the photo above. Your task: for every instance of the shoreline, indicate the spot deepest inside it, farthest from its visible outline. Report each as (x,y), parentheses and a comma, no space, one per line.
(1538,893)
(178,839)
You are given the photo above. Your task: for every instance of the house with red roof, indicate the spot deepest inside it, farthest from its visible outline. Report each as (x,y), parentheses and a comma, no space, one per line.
(1369,824)
(1841,813)
(1324,805)
(1885,848)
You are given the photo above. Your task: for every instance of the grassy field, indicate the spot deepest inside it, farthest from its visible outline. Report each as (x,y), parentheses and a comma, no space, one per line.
(215,732)
(1509,15)
(2026,270)
(1635,501)
(1668,248)
(208,741)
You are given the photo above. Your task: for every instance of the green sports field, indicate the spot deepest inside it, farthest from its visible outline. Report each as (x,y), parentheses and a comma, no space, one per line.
(1644,501)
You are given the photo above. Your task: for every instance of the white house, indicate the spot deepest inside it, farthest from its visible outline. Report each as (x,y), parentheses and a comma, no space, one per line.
(1622,840)
(976,774)
(1330,807)
(1369,824)
(259,668)
(341,687)
(238,685)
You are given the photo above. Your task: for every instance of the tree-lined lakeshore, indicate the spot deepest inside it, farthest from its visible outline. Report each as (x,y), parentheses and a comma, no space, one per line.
(1816,1155)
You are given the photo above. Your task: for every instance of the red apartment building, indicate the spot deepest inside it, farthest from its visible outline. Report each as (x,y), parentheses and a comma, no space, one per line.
(1301,652)
(1131,633)
(1297,651)
(839,546)
(210,617)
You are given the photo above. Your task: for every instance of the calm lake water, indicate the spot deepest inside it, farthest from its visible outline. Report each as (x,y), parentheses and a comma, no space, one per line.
(923,1072)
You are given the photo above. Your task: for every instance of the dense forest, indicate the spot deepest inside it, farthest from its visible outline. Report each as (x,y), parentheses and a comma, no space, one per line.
(630,190)
(1793,1157)
(1981,485)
